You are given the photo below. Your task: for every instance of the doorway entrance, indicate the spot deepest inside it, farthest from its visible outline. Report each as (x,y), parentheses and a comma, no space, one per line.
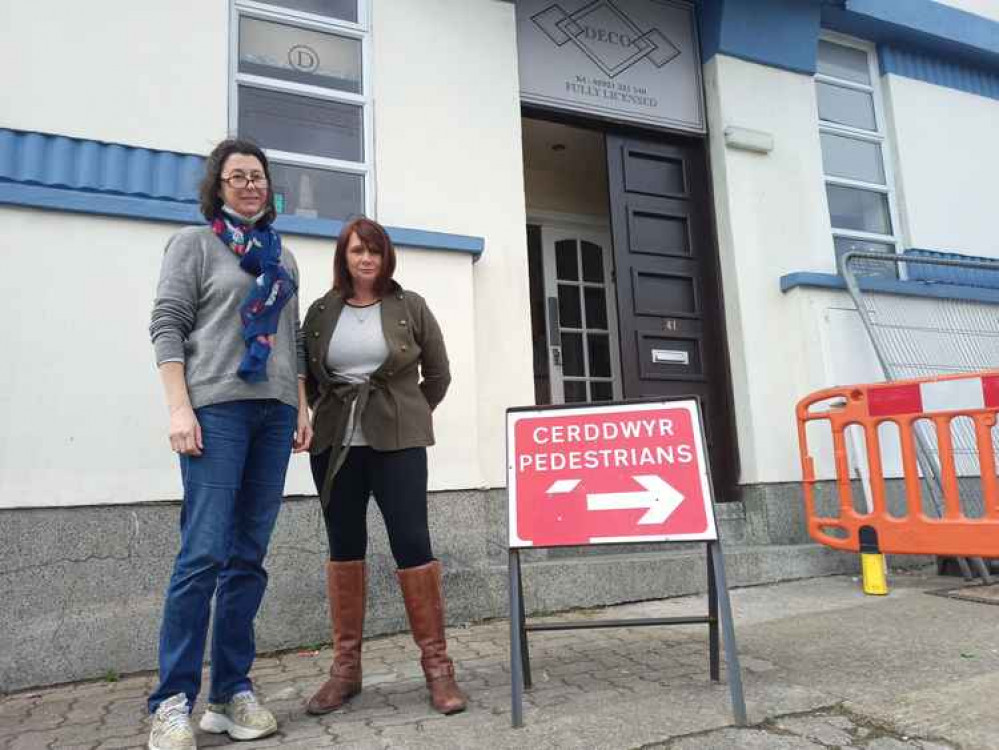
(581,313)
(625,294)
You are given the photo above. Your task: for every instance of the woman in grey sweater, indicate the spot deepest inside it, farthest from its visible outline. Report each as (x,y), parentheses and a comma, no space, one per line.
(229,351)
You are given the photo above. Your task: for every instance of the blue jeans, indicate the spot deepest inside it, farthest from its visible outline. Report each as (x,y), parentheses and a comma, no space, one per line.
(232,494)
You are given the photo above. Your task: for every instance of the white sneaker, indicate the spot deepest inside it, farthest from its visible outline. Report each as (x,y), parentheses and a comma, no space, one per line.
(171,728)
(242,718)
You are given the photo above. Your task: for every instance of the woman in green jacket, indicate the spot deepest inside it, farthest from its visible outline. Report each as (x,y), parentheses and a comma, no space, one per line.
(377,368)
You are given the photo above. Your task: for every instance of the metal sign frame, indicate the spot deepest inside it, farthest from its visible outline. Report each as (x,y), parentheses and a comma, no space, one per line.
(718,619)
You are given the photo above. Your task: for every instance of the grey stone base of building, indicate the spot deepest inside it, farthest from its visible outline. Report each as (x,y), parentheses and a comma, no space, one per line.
(82,588)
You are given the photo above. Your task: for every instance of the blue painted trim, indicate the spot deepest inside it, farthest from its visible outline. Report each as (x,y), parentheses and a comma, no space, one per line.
(80,201)
(813,279)
(77,164)
(932,27)
(784,33)
(106,204)
(415,238)
(91,177)
(779,33)
(437,240)
(932,290)
(934,20)
(953,74)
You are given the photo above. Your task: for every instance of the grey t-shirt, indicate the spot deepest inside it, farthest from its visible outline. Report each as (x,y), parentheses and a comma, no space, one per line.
(195,320)
(357,348)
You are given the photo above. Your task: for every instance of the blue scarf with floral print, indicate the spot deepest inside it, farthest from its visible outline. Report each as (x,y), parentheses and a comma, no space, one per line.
(259,249)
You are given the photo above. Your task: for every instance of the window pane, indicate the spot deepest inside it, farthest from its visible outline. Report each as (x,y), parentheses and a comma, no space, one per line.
(569,314)
(846,106)
(601,391)
(599,347)
(860,210)
(863,266)
(593,262)
(596,307)
(299,191)
(300,55)
(343,10)
(572,354)
(852,158)
(575,391)
(566,265)
(843,62)
(301,124)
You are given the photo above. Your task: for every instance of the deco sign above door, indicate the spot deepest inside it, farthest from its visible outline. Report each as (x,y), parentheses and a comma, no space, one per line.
(607,36)
(629,60)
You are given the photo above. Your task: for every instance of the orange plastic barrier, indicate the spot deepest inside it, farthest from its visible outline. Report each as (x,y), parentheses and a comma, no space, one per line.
(939,400)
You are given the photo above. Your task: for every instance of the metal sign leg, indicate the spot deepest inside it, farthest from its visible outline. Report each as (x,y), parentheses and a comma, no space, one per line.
(713,645)
(728,635)
(525,646)
(516,646)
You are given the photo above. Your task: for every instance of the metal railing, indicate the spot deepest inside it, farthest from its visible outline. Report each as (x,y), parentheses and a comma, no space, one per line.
(946,332)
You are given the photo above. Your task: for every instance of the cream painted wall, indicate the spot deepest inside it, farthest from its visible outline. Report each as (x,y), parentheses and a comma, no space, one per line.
(558,192)
(572,180)
(448,158)
(138,73)
(986,8)
(772,219)
(84,420)
(945,165)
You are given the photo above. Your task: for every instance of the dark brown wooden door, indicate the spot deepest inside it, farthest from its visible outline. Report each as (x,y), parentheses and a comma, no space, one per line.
(668,296)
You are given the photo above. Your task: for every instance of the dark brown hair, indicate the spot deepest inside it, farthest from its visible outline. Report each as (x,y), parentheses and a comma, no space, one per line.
(209,191)
(374,237)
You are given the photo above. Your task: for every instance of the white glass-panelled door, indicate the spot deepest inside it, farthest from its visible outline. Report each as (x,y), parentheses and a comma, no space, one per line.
(581,315)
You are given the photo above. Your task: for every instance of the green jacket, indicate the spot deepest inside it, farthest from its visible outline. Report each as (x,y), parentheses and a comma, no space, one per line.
(394,407)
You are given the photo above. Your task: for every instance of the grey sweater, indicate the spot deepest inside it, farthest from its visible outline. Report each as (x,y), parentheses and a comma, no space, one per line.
(196,321)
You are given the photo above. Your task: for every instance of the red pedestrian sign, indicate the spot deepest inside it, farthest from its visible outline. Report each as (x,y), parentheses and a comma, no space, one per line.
(608,475)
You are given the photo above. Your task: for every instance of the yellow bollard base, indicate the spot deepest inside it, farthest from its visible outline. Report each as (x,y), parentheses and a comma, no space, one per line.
(872,567)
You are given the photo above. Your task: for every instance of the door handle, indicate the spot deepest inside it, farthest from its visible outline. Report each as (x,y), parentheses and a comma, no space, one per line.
(554,333)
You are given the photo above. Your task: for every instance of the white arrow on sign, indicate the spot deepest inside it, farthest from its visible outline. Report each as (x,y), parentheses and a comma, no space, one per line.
(659,497)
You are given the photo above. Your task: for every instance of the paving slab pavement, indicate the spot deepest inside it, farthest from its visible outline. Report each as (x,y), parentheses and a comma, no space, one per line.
(823,667)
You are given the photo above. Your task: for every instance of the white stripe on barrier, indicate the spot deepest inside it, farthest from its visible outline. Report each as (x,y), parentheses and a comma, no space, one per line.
(952,395)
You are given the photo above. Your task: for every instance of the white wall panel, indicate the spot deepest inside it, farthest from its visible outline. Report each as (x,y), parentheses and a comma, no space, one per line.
(772,219)
(84,419)
(946,162)
(152,74)
(448,158)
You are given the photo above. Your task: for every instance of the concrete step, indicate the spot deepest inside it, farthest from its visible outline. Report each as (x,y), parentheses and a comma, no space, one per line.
(591,577)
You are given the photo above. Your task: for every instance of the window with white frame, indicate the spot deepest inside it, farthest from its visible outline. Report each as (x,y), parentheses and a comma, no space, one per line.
(857,171)
(301,90)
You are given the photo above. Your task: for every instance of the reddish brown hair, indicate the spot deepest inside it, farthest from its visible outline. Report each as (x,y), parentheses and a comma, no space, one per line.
(375,238)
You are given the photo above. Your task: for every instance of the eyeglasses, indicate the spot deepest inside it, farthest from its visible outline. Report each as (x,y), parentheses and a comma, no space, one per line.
(240,181)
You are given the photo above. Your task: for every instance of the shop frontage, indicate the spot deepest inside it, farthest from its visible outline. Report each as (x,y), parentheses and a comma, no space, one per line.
(625,295)
(601,200)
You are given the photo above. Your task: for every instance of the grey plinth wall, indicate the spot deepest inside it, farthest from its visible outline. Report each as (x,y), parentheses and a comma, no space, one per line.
(82,588)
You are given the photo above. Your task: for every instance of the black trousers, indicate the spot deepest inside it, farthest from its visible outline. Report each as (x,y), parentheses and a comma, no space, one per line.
(398,480)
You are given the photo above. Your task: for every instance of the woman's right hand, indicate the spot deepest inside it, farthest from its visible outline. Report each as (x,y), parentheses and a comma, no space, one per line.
(185,432)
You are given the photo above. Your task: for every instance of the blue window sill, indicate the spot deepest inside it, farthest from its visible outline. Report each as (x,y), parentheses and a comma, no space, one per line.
(186,212)
(41,170)
(929,289)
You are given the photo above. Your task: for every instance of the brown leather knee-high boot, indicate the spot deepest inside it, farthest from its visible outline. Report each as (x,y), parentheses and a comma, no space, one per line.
(424,598)
(346,587)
